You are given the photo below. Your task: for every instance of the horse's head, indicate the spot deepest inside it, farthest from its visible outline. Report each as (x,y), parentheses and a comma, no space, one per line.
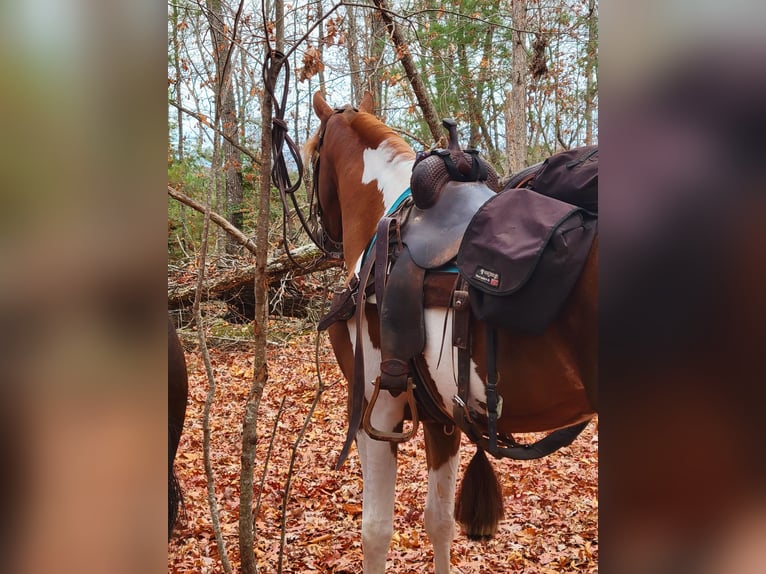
(360,166)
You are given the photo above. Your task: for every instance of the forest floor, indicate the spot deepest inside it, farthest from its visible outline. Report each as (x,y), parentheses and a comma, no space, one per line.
(551,505)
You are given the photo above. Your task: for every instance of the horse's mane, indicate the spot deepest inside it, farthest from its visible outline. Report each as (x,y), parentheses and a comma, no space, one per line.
(373,133)
(310,147)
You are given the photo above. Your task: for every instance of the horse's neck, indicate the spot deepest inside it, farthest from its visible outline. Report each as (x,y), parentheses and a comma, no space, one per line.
(386,174)
(391,171)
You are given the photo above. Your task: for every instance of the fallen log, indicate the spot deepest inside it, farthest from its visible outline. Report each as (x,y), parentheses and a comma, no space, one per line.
(229,284)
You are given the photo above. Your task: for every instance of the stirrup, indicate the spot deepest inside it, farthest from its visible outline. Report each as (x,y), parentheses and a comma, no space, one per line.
(392,436)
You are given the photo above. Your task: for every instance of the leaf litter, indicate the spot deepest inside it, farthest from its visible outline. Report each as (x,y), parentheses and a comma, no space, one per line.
(551,505)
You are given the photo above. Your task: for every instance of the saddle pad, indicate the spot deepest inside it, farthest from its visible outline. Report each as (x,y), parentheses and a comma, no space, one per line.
(521,255)
(433,235)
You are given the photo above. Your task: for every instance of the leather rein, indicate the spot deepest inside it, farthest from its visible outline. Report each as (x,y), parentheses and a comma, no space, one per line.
(312,224)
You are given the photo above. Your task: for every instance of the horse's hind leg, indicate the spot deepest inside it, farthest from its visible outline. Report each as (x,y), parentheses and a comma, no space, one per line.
(442,453)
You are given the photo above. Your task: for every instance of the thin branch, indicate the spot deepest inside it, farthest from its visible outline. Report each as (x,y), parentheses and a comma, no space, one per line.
(203,120)
(267,460)
(301,434)
(219,220)
(210,475)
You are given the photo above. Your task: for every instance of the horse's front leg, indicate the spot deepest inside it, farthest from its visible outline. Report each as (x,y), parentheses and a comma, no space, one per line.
(443,456)
(378,460)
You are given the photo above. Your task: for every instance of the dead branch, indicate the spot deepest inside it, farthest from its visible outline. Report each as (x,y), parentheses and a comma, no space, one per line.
(219,220)
(228,283)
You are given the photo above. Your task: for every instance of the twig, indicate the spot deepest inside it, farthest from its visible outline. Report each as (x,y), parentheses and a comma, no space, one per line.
(221,221)
(208,400)
(288,482)
(204,120)
(268,459)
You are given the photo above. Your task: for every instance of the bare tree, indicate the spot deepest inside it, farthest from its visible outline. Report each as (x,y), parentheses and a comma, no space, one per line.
(226,114)
(591,61)
(516,97)
(404,55)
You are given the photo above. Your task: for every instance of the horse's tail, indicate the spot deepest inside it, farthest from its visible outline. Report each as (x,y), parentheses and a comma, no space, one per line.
(175,494)
(479,505)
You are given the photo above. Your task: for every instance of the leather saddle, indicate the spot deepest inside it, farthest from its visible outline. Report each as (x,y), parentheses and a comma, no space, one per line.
(433,235)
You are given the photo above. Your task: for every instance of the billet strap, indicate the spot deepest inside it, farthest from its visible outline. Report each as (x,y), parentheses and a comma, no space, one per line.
(461,334)
(357,386)
(491,389)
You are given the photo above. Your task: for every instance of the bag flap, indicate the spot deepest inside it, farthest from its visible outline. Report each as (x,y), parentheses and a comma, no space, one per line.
(506,237)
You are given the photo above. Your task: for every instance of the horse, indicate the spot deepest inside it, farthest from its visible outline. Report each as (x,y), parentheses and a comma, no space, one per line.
(178,391)
(361,167)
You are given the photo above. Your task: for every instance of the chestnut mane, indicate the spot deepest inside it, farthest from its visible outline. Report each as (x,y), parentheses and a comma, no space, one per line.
(371,131)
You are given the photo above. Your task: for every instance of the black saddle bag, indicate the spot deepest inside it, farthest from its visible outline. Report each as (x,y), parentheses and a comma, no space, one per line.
(521,255)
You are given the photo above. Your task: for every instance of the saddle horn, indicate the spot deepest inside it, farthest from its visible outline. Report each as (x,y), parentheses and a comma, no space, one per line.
(453,146)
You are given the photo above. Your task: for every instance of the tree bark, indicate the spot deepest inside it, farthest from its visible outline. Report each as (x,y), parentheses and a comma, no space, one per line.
(260,323)
(352,45)
(375,44)
(209,473)
(515,109)
(403,52)
(591,67)
(226,112)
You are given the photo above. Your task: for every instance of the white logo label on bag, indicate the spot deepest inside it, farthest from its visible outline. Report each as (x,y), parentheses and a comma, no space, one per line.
(487,276)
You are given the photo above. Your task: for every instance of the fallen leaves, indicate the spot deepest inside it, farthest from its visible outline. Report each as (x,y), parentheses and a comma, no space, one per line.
(551,517)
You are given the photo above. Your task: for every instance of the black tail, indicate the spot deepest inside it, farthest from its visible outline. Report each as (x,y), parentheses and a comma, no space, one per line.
(479,505)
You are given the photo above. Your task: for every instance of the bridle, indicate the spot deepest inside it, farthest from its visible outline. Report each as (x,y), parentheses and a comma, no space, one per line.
(331,247)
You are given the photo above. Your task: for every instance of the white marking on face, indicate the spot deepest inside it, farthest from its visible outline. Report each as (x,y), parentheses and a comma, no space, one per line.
(391,170)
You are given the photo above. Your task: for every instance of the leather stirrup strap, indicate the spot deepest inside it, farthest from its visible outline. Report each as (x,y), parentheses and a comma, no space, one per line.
(357,388)
(386,227)
(402,323)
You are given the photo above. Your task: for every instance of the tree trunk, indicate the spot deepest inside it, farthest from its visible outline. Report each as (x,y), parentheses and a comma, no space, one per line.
(474,110)
(515,109)
(352,45)
(591,68)
(403,52)
(231,199)
(261,321)
(375,43)
(179,118)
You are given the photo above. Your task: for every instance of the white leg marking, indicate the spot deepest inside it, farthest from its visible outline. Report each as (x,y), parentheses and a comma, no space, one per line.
(379,482)
(439,515)
(378,465)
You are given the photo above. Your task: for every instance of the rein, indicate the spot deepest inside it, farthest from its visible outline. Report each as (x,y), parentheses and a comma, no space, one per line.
(280,176)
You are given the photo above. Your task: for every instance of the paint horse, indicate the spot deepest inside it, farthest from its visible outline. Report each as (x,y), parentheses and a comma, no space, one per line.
(361,171)
(177,396)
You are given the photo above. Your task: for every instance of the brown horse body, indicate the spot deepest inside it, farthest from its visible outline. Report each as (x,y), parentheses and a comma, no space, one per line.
(547,382)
